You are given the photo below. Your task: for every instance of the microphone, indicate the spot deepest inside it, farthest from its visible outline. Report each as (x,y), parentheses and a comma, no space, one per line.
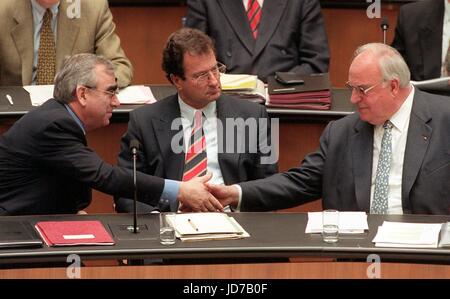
(384,26)
(134,147)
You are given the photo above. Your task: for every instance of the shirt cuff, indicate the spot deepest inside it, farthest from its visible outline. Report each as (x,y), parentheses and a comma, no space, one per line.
(238,208)
(170,193)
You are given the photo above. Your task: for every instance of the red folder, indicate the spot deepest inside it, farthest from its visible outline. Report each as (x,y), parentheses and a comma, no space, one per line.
(73,233)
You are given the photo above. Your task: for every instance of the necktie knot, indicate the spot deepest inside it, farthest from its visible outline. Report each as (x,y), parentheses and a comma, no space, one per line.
(47,16)
(388,125)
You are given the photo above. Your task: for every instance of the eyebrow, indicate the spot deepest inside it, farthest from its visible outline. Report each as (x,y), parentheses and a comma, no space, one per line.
(205,71)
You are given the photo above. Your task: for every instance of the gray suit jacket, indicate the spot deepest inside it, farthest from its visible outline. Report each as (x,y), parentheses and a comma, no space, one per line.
(340,171)
(418,37)
(291,35)
(93,32)
(151,126)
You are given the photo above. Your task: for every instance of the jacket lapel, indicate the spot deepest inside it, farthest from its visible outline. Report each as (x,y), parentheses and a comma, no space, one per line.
(271,16)
(228,162)
(419,134)
(361,146)
(234,12)
(22,34)
(65,41)
(431,34)
(173,162)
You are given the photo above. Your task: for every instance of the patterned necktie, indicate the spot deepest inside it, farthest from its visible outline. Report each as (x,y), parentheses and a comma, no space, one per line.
(196,163)
(46,52)
(380,196)
(254,16)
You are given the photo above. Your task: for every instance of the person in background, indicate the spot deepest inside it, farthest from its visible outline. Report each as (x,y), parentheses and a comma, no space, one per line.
(46,166)
(262,37)
(190,65)
(39,34)
(422,37)
(390,157)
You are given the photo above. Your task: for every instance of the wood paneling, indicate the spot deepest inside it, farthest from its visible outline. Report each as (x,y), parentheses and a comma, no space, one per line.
(318,270)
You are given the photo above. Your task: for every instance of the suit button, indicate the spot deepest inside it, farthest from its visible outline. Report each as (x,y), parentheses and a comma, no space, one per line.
(228,53)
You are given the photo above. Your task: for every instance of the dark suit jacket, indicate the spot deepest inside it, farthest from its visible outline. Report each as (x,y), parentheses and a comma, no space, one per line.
(46,167)
(151,126)
(340,170)
(291,35)
(418,37)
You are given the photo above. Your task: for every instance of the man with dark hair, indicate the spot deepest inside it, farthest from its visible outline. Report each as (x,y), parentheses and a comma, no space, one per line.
(46,166)
(185,135)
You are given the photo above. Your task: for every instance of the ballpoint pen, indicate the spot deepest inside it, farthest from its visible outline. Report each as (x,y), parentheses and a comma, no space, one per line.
(284,89)
(193,225)
(9,98)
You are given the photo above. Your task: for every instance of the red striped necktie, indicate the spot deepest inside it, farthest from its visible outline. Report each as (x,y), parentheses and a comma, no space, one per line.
(195,162)
(254,16)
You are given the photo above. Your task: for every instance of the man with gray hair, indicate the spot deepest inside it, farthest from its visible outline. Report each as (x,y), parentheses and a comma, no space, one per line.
(46,166)
(391,157)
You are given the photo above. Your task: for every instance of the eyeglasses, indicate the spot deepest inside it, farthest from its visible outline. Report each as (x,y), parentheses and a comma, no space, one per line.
(360,89)
(203,77)
(110,94)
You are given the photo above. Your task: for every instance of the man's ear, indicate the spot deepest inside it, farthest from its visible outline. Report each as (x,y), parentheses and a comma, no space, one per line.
(80,94)
(394,86)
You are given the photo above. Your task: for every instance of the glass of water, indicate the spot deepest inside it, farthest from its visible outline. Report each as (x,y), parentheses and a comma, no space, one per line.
(330,226)
(166,228)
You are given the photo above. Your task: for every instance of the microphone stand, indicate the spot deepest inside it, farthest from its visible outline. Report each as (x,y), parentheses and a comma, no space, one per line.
(384,26)
(135,228)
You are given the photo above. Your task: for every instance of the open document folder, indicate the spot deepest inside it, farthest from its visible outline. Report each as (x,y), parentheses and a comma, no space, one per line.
(349,223)
(135,94)
(207,226)
(400,234)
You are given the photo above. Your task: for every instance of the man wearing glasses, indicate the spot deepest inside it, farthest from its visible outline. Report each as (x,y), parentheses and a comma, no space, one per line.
(391,157)
(185,135)
(46,166)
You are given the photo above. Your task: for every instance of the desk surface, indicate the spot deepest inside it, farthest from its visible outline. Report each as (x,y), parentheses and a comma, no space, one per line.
(273,235)
(340,106)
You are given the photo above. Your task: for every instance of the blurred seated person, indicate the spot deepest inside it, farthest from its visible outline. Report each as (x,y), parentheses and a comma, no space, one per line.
(262,37)
(422,37)
(39,34)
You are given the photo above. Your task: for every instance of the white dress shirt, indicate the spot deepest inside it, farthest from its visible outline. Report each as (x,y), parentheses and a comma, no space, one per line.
(400,120)
(445,35)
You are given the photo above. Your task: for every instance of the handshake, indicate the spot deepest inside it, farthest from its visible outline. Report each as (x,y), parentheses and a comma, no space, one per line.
(197,195)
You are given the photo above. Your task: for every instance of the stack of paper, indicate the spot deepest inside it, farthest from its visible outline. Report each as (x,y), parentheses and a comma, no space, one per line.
(73,233)
(349,223)
(207,226)
(247,87)
(136,94)
(416,235)
(39,93)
